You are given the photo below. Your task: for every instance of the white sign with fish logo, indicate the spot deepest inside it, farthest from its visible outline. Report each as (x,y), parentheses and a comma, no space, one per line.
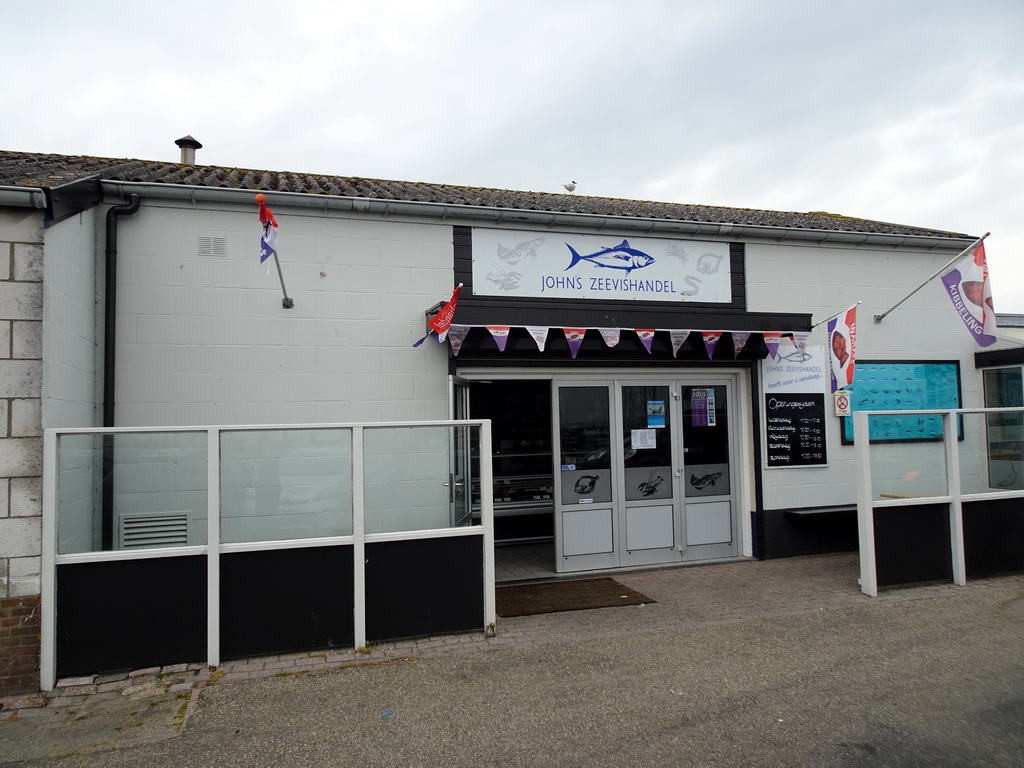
(509,262)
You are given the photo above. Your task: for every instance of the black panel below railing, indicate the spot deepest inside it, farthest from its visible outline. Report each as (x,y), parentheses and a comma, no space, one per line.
(912,544)
(424,587)
(993,537)
(284,600)
(130,614)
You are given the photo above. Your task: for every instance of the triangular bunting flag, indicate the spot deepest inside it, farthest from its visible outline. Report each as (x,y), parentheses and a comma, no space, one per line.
(739,340)
(575,338)
(678,339)
(456,335)
(610,336)
(500,334)
(646,337)
(710,339)
(771,341)
(540,335)
(800,342)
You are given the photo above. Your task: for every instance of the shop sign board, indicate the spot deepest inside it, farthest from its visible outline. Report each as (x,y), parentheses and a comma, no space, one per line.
(520,263)
(794,408)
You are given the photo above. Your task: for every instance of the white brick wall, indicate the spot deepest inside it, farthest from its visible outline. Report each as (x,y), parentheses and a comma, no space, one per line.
(21,310)
(204,339)
(825,280)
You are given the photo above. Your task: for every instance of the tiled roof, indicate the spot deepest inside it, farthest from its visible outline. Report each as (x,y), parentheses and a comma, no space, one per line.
(23,169)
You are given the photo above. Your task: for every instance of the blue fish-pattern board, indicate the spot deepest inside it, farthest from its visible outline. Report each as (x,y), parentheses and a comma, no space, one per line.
(892,386)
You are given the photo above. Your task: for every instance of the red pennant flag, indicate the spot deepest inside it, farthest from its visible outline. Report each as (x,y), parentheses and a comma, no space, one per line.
(443,319)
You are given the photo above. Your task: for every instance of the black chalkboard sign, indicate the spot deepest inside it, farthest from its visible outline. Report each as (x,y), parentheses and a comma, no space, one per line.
(795,429)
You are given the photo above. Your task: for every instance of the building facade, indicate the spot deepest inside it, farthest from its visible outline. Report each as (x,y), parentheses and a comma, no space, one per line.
(656,374)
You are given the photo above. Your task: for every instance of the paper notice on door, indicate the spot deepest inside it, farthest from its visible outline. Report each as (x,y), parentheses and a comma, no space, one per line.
(642,439)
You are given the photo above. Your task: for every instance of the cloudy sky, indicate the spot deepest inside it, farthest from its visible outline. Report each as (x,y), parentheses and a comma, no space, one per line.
(910,111)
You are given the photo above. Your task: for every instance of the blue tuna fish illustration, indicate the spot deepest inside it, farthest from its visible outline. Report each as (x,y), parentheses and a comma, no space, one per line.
(619,257)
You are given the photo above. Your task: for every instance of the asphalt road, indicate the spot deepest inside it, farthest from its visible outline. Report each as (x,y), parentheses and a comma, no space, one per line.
(930,682)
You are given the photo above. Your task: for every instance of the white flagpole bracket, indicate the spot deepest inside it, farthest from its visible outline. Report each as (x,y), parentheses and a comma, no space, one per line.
(943,268)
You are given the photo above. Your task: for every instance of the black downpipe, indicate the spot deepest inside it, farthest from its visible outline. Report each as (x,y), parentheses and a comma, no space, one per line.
(109,346)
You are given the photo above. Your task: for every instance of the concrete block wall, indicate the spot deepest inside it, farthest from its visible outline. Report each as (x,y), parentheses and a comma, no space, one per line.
(21,314)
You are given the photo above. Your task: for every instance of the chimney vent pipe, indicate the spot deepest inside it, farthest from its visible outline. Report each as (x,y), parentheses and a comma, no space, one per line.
(188,149)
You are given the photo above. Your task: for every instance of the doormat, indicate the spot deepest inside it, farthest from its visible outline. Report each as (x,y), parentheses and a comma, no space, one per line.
(570,595)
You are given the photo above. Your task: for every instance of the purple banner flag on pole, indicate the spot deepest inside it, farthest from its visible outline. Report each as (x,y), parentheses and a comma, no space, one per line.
(968,287)
(575,338)
(710,340)
(646,337)
(842,353)
(678,339)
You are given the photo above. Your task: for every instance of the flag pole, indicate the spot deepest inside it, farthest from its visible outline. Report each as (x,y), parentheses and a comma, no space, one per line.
(837,314)
(944,267)
(286,302)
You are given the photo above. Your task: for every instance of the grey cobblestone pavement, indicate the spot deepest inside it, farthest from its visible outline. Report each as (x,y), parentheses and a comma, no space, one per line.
(98,714)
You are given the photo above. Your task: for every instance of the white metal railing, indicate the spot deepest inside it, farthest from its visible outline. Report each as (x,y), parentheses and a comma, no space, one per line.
(962,450)
(214,546)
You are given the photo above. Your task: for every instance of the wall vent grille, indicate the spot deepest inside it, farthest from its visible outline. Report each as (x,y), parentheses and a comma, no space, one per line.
(153,529)
(212,246)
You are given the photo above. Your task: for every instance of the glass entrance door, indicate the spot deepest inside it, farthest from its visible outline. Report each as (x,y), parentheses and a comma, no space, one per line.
(585,519)
(644,472)
(709,520)
(648,520)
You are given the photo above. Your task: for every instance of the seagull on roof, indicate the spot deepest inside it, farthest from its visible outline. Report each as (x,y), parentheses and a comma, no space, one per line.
(570,187)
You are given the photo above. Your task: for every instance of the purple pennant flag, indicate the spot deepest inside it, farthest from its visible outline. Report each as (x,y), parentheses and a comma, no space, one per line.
(771,342)
(456,335)
(540,336)
(575,338)
(739,341)
(710,339)
(610,336)
(646,337)
(500,334)
(678,339)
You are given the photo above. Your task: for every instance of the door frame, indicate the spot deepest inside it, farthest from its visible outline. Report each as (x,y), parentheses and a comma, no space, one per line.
(739,383)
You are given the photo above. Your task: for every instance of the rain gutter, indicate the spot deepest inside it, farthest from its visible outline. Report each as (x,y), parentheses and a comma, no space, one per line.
(467,214)
(22,197)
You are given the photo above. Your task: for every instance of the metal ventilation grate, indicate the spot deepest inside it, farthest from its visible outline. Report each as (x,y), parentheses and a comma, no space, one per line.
(156,529)
(212,246)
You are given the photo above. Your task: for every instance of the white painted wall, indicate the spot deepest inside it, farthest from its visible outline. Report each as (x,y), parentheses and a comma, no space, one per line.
(825,280)
(70,323)
(204,339)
